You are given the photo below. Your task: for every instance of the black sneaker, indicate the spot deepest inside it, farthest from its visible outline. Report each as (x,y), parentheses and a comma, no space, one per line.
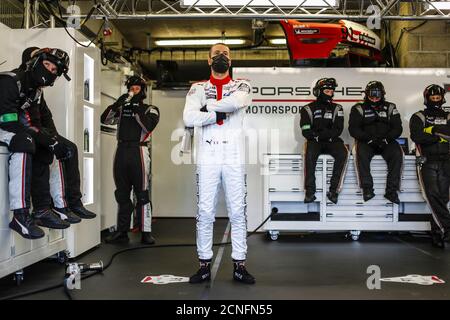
(24,225)
(82,212)
(437,240)
(67,215)
(392,196)
(117,237)
(241,274)
(47,218)
(147,238)
(368,194)
(309,197)
(333,196)
(202,274)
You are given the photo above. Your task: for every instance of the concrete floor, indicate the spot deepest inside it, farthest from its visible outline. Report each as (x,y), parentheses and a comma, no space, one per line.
(314,266)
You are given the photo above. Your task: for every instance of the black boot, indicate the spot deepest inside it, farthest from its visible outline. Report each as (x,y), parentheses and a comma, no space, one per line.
(82,212)
(147,238)
(333,196)
(241,274)
(67,215)
(368,194)
(202,274)
(117,237)
(24,225)
(447,236)
(437,240)
(47,218)
(392,196)
(309,197)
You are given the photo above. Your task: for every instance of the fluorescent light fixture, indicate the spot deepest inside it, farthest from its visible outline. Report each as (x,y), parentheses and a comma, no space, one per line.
(197,42)
(441,5)
(260,3)
(278,41)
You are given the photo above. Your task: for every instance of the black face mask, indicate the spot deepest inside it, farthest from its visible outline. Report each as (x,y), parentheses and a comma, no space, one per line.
(41,76)
(434,104)
(324,97)
(220,63)
(374,104)
(139,97)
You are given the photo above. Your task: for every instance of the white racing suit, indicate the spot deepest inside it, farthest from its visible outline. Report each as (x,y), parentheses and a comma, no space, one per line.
(220,158)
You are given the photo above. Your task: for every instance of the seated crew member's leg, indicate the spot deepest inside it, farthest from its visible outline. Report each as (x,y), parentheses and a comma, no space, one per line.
(312,153)
(364,155)
(21,146)
(393,155)
(58,188)
(40,192)
(72,177)
(340,154)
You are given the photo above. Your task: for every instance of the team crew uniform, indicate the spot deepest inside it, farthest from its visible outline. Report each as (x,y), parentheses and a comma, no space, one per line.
(322,123)
(375,127)
(215,109)
(136,121)
(426,127)
(20,90)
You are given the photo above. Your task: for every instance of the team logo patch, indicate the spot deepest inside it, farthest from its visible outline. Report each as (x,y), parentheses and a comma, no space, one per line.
(191,92)
(416,279)
(394,112)
(164,279)
(328,115)
(340,113)
(244,87)
(306,127)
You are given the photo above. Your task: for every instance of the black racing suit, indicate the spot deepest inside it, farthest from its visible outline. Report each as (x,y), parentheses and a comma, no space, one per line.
(322,124)
(375,129)
(435,172)
(136,122)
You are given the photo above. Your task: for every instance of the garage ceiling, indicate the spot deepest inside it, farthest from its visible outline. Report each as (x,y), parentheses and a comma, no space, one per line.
(135,32)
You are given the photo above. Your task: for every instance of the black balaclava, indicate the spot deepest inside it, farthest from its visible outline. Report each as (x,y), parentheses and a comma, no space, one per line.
(324,97)
(220,63)
(320,86)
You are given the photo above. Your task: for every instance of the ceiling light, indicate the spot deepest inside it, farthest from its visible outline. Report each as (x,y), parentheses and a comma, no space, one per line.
(278,41)
(197,42)
(441,5)
(261,3)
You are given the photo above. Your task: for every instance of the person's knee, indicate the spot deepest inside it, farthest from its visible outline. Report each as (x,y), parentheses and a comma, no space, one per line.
(122,197)
(22,142)
(143,197)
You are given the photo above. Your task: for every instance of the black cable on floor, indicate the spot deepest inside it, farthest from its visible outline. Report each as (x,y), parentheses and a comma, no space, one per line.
(67,292)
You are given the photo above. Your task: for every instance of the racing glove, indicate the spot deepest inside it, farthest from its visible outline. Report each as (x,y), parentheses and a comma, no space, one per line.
(428,130)
(61,151)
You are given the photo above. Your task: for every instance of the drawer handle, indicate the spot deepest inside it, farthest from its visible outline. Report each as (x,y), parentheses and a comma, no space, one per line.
(295,189)
(272,189)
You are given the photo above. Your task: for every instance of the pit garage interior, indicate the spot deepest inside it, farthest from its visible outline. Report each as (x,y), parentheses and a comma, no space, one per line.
(296,250)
